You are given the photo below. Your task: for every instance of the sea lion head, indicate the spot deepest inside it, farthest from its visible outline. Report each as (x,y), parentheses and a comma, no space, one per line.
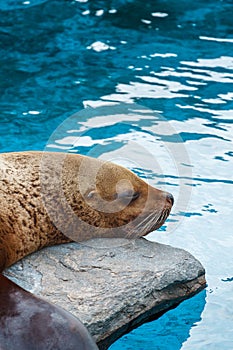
(108,200)
(126,202)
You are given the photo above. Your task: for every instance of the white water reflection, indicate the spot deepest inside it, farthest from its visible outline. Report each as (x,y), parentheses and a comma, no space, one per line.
(205,76)
(217,114)
(222,61)
(167,84)
(128,92)
(219,40)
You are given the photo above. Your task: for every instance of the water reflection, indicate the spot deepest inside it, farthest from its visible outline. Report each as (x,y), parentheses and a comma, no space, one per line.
(165,333)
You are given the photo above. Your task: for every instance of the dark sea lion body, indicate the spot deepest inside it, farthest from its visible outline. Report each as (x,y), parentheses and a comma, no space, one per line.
(30,323)
(53,198)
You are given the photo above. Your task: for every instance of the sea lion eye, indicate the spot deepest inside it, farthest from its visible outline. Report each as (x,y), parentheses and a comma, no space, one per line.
(135,195)
(129,195)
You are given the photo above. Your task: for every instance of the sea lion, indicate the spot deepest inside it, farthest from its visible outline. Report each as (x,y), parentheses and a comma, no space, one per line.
(50,198)
(30,323)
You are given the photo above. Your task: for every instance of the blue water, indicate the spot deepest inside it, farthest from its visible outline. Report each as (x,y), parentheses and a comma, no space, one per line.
(147,84)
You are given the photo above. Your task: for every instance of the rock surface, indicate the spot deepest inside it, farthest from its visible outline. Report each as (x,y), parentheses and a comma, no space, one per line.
(111,285)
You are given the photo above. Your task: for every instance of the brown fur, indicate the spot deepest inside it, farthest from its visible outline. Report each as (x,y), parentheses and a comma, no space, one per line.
(50,198)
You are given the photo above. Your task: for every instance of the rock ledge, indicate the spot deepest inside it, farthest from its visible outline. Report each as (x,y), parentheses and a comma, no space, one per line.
(111,285)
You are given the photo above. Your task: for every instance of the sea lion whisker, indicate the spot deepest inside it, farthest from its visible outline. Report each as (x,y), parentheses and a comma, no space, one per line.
(161,218)
(145,221)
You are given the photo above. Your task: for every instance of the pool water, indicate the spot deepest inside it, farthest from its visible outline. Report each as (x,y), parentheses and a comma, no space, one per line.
(147,84)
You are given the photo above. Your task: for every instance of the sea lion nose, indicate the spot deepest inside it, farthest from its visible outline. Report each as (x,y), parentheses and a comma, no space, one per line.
(170,198)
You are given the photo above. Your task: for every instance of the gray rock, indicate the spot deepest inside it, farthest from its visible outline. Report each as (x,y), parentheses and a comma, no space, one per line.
(111,285)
